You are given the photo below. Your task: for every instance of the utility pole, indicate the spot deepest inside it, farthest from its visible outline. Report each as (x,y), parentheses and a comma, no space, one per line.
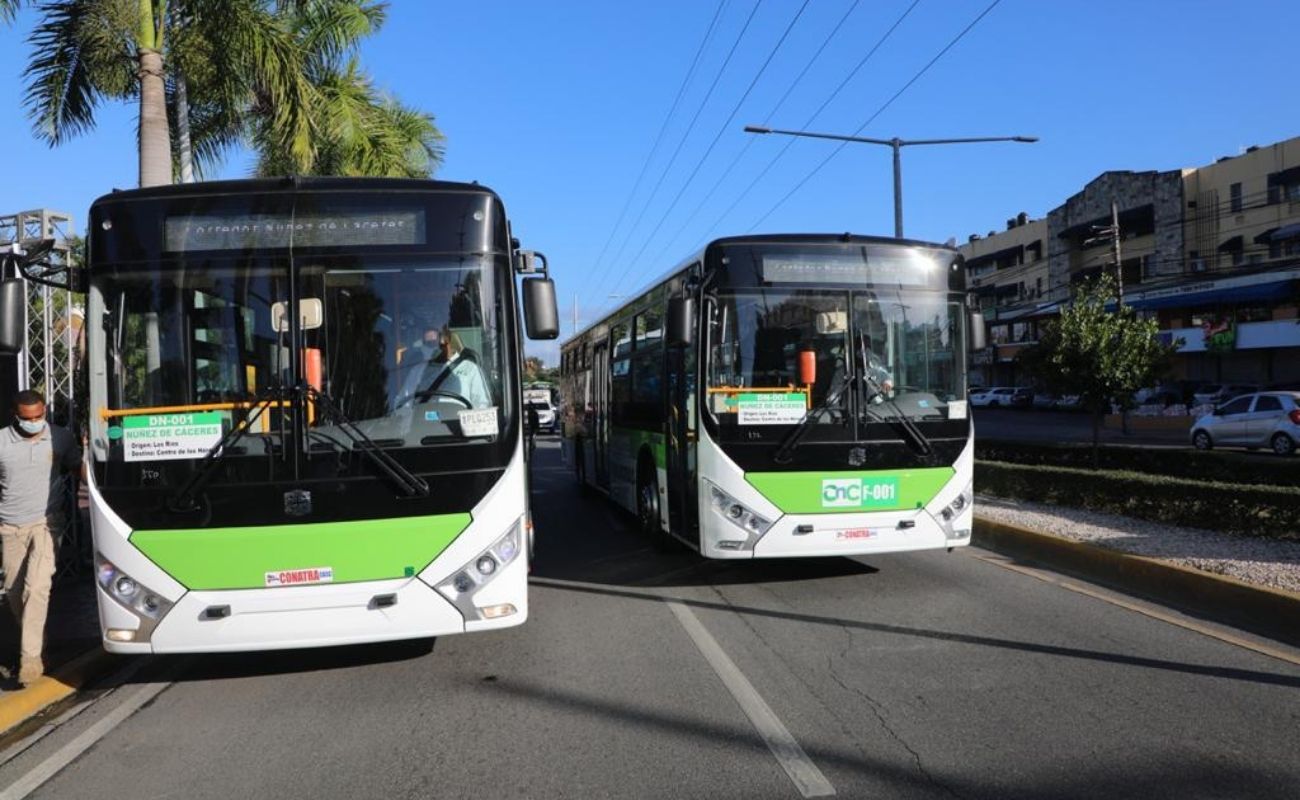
(1116,253)
(1119,258)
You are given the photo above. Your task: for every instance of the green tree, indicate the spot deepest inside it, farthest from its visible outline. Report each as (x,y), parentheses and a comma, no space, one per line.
(87,51)
(1104,356)
(354,129)
(278,75)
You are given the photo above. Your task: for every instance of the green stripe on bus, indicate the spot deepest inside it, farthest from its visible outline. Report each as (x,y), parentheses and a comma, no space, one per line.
(240,558)
(847,492)
(637,438)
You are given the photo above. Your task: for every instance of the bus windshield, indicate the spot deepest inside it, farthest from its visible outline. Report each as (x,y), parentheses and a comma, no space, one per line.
(910,343)
(408,347)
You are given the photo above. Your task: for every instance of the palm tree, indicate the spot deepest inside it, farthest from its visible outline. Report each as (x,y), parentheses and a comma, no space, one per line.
(88,51)
(355,130)
(359,131)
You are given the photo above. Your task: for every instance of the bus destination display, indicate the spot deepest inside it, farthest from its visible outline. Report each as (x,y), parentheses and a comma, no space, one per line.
(255,231)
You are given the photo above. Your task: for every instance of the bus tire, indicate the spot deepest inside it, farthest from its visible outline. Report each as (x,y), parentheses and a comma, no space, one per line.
(647,506)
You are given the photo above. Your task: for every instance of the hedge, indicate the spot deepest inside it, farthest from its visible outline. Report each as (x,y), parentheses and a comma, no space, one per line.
(1272,512)
(1214,465)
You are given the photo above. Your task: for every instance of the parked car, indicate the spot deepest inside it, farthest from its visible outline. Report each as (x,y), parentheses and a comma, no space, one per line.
(1044,401)
(1069,402)
(1158,396)
(998,396)
(1262,419)
(1022,397)
(1217,393)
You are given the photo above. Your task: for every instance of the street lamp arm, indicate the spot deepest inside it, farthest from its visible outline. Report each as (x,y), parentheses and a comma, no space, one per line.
(811,135)
(1027,139)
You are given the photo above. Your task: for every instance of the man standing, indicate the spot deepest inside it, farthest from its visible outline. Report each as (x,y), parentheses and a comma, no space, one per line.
(34,458)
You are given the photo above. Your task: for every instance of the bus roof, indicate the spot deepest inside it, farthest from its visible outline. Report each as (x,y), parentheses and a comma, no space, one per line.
(289,184)
(757,238)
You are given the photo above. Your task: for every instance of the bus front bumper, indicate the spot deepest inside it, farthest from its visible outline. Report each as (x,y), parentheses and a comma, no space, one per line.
(803,535)
(309,616)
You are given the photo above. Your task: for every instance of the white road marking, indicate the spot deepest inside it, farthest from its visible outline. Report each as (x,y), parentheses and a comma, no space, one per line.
(807,778)
(69,752)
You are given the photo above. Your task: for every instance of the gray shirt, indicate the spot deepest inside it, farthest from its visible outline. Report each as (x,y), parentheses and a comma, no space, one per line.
(32,473)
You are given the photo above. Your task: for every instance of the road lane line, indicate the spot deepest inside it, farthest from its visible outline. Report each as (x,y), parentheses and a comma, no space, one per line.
(1146,610)
(69,752)
(802,771)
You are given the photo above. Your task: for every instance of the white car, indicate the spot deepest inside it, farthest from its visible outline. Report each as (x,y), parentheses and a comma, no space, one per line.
(1266,419)
(995,397)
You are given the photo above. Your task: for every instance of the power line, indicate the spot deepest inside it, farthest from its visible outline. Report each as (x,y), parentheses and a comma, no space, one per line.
(878,112)
(685,136)
(749,141)
(790,142)
(681,90)
(716,138)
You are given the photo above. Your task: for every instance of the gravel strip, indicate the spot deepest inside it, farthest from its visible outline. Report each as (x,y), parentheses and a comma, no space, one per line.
(1255,560)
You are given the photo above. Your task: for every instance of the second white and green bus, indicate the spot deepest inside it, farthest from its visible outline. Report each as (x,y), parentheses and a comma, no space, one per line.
(784,395)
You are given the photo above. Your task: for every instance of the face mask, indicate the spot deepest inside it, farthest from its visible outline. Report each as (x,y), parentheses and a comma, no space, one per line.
(31,427)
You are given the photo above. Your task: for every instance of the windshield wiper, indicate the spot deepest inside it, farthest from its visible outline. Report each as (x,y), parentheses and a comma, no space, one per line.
(410,483)
(183,501)
(795,436)
(873,390)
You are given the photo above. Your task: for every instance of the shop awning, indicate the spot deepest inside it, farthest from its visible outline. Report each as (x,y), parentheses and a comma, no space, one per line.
(1232,245)
(1255,293)
(1283,233)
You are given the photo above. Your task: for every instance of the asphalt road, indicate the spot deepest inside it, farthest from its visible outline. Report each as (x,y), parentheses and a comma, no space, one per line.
(648,675)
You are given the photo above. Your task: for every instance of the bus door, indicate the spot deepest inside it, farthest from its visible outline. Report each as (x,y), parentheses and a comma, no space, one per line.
(600,391)
(683,510)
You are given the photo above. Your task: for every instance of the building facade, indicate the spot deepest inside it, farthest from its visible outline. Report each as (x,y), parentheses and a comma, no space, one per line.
(1213,253)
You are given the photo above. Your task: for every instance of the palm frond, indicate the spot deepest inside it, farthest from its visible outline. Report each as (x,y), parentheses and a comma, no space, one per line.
(80,54)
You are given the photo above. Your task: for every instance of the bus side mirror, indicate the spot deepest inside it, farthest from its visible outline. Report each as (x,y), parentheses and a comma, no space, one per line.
(681,321)
(978,339)
(13,315)
(541,314)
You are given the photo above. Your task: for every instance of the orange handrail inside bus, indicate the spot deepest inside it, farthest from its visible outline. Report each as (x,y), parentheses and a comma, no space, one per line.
(109,413)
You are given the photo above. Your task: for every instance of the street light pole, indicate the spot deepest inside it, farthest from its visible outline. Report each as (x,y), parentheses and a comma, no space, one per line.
(897,144)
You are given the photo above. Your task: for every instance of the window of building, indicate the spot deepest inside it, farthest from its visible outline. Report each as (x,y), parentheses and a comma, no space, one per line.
(1234,193)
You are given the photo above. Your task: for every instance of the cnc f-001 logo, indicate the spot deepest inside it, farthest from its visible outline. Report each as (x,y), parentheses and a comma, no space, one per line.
(873,492)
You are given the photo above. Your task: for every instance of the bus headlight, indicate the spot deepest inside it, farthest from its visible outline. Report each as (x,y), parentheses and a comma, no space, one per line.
(753,524)
(131,594)
(479,571)
(947,515)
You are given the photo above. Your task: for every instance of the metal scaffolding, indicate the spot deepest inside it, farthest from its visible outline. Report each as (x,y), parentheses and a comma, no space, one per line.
(48,359)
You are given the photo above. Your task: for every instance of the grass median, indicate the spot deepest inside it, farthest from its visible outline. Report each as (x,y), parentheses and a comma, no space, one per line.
(1271,511)
(1213,466)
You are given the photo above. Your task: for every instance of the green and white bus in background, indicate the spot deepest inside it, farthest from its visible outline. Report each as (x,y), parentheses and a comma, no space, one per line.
(784,395)
(305,412)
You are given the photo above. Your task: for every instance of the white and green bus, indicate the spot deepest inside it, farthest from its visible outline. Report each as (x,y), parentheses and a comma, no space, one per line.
(784,395)
(304,416)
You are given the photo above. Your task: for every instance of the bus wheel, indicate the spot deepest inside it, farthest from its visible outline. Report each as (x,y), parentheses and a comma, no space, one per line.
(647,503)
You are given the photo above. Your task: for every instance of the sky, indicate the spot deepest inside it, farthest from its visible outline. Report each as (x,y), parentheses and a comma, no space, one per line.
(613,130)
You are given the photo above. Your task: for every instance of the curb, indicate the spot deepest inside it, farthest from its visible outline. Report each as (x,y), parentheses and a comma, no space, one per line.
(1274,613)
(19,706)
